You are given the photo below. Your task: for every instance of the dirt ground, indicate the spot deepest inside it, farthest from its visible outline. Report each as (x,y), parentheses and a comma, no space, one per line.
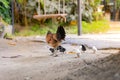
(29,60)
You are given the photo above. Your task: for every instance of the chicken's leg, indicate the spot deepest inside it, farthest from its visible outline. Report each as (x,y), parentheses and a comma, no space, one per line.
(54,52)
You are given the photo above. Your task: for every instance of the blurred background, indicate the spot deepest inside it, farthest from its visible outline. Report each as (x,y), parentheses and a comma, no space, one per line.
(98,16)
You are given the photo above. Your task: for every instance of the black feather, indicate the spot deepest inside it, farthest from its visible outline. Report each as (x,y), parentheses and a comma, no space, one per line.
(60,33)
(61,49)
(52,50)
(49,32)
(83,48)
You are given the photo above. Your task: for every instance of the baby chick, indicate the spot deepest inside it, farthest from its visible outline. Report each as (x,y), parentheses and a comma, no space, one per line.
(94,49)
(79,50)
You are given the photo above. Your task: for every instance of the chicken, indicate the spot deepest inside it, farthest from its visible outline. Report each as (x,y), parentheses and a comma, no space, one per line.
(94,49)
(80,50)
(83,48)
(55,39)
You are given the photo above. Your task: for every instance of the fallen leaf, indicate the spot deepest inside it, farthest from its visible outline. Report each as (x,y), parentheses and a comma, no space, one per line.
(12,43)
(71,52)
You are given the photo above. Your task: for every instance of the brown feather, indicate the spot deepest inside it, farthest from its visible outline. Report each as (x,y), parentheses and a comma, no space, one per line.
(54,40)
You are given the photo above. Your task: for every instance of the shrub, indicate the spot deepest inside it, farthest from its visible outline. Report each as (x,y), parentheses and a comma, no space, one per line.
(5,10)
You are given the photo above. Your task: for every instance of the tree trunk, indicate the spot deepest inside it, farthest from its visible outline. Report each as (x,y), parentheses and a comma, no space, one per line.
(26,22)
(117,15)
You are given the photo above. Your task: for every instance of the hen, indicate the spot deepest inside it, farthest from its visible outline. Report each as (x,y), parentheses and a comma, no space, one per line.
(55,39)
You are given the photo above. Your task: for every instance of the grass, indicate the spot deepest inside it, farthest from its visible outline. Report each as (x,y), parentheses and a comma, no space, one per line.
(94,27)
(35,30)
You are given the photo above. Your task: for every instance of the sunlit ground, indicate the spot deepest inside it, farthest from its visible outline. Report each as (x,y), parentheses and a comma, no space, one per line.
(114,27)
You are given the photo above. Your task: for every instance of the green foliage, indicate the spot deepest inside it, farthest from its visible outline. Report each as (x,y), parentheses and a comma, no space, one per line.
(24,10)
(98,16)
(20,1)
(5,10)
(35,28)
(30,7)
(118,4)
(90,10)
(87,11)
(94,3)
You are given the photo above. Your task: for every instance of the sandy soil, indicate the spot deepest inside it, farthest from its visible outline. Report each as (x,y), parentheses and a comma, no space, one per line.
(28,60)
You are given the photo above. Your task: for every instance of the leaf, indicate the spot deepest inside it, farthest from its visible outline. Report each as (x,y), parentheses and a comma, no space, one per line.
(5,3)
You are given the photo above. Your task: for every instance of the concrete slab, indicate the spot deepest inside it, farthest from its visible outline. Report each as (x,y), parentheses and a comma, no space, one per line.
(99,40)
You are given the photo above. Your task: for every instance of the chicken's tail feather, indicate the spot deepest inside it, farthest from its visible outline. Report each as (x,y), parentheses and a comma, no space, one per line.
(60,33)
(49,32)
(83,48)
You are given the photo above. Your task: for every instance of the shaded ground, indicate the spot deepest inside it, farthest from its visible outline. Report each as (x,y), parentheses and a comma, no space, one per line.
(104,69)
(27,60)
